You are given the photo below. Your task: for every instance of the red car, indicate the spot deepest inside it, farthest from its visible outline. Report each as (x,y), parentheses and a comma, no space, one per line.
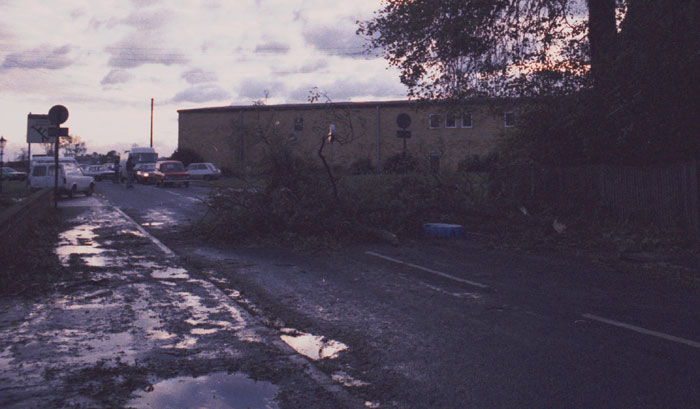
(171,172)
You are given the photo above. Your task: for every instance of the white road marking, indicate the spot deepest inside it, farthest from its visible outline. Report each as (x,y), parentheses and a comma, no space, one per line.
(429,270)
(193,199)
(643,330)
(155,241)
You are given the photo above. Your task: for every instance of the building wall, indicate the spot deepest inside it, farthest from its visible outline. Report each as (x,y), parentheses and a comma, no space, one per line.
(238,137)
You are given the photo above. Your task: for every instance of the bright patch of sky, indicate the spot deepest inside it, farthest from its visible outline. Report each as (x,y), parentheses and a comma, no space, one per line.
(104,60)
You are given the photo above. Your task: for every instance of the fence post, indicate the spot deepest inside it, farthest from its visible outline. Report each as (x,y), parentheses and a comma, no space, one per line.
(695,197)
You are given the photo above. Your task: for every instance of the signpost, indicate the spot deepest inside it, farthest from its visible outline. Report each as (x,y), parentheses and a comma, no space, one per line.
(403,121)
(58,114)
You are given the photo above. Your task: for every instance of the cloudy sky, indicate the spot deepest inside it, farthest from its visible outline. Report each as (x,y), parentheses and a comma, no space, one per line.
(105,59)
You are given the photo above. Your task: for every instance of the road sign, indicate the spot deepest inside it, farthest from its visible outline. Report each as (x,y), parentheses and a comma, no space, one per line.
(58,114)
(403,134)
(403,121)
(58,131)
(38,129)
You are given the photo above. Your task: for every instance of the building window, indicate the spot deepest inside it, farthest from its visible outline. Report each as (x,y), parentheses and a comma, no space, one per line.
(434,121)
(450,121)
(467,120)
(509,119)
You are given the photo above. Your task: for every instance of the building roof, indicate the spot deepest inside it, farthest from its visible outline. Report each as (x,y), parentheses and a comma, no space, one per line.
(309,106)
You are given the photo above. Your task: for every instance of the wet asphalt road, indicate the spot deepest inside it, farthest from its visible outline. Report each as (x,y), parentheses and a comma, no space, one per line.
(440,324)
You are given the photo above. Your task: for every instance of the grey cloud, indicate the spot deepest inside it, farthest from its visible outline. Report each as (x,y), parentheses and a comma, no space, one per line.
(110,23)
(351,88)
(144,3)
(148,20)
(337,40)
(116,77)
(198,76)
(77,13)
(272,47)
(255,88)
(202,93)
(45,56)
(130,54)
(308,68)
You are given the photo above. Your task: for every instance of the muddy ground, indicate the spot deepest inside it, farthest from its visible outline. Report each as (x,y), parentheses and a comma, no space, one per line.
(133,320)
(125,325)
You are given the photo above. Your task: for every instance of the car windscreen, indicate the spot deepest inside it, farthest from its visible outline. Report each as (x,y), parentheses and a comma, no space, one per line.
(171,167)
(145,157)
(71,169)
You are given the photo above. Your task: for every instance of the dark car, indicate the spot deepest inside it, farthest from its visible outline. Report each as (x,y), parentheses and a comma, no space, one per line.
(146,173)
(171,172)
(11,174)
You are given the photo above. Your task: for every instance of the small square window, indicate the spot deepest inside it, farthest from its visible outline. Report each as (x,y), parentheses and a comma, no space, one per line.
(467,120)
(434,121)
(450,121)
(509,119)
(39,171)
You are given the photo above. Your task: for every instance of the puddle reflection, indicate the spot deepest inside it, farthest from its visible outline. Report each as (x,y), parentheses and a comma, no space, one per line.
(347,380)
(170,273)
(79,241)
(159,219)
(312,346)
(219,390)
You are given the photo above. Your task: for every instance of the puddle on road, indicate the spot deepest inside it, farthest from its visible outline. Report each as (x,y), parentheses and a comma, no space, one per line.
(84,347)
(170,273)
(160,219)
(347,380)
(79,241)
(6,358)
(201,318)
(312,346)
(219,390)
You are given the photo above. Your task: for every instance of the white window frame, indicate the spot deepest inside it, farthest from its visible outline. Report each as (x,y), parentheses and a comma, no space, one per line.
(505,119)
(454,123)
(430,121)
(471,120)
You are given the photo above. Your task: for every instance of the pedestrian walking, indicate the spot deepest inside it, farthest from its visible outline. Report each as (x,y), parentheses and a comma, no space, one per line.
(130,172)
(116,170)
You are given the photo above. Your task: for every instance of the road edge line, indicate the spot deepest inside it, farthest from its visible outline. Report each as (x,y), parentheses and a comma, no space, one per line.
(644,331)
(429,270)
(140,228)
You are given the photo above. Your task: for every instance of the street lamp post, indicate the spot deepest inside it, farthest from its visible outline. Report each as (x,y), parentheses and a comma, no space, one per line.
(3,141)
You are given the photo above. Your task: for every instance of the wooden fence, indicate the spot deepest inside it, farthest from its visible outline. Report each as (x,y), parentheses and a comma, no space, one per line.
(667,196)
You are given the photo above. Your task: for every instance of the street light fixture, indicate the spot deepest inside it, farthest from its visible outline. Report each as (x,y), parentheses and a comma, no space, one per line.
(3,141)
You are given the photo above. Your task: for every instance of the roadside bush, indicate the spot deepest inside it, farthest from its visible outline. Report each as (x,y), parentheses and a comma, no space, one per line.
(186,156)
(476,163)
(361,167)
(401,163)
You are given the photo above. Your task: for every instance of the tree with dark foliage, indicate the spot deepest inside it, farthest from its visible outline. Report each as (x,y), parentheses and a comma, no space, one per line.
(615,79)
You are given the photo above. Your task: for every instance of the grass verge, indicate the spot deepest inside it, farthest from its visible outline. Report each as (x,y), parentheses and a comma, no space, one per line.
(31,266)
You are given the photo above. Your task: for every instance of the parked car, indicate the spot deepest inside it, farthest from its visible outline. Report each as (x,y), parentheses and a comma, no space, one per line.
(70,178)
(146,173)
(99,172)
(11,174)
(171,172)
(206,171)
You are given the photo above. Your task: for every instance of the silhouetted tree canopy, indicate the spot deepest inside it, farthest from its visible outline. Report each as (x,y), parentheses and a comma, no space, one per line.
(614,80)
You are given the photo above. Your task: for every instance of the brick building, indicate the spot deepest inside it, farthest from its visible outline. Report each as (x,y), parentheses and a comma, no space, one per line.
(441,134)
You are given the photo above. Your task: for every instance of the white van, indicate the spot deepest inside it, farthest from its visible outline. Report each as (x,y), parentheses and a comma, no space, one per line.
(141,156)
(70,178)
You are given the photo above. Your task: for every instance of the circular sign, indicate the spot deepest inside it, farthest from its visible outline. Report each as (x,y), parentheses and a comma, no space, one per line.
(403,121)
(58,114)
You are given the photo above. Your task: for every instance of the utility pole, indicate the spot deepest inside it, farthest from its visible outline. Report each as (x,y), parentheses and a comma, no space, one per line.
(151,122)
